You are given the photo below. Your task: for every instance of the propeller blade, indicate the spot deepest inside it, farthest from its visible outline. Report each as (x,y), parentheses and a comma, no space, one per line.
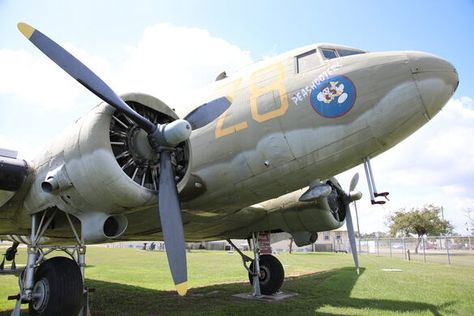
(354,181)
(171,224)
(350,231)
(81,73)
(208,112)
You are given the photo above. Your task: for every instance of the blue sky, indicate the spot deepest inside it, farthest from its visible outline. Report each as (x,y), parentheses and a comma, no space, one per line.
(122,41)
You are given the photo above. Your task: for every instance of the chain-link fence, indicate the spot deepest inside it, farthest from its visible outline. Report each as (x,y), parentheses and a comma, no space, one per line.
(439,249)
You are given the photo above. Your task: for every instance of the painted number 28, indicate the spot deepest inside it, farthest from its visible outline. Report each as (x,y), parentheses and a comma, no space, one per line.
(256,91)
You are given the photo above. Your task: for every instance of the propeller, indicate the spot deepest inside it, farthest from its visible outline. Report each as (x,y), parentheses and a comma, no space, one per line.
(162,137)
(350,226)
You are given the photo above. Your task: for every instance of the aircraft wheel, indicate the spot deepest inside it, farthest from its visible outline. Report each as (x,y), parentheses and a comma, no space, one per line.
(58,288)
(271,274)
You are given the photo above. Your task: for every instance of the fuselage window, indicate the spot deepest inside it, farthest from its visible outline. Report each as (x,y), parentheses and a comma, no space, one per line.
(306,61)
(329,53)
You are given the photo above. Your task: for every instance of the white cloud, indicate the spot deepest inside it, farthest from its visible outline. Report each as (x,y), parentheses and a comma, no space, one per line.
(32,78)
(170,62)
(174,63)
(38,99)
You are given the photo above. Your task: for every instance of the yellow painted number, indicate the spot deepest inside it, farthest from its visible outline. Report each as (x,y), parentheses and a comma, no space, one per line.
(224,131)
(257,91)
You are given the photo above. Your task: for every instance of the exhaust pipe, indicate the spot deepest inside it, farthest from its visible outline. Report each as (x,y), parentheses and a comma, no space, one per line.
(56,180)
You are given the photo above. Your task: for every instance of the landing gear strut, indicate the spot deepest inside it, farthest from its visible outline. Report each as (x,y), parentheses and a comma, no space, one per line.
(52,286)
(265,271)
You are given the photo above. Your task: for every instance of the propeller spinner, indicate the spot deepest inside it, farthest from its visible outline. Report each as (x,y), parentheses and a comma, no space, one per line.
(162,138)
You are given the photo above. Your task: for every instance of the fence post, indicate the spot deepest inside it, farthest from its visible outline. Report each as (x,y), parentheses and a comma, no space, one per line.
(404,248)
(377,242)
(469,239)
(424,250)
(390,245)
(447,248)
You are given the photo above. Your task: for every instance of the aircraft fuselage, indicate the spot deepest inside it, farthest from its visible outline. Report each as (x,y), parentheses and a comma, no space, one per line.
(295,118)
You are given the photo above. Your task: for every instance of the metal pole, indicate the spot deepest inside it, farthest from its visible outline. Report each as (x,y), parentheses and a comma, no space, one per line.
(424,250)
(369,180)
(32,253)
(390,246)
(469,240)
(404,248)
(256,266)
(447,249)
(377,241)
(371,174)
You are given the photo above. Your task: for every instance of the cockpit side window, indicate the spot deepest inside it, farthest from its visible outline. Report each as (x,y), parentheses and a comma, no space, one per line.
(347,52)
(329,53)
(307,61)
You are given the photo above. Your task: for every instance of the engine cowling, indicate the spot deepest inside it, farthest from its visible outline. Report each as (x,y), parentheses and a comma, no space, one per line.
(103,164)
(303,219)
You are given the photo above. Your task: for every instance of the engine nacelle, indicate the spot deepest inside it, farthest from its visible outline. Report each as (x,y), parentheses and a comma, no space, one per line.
(324,210)
(97,227)
(103,164)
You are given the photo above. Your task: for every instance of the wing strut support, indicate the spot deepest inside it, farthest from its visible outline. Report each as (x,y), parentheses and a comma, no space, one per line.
(371,183)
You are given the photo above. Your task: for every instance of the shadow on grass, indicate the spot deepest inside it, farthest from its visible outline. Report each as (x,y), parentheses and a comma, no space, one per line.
(329,288)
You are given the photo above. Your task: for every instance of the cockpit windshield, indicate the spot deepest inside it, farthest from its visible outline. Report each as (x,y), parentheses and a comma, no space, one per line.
(330,53)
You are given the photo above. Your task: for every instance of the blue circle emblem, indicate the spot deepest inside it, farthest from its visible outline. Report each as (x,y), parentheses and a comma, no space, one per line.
(333,97)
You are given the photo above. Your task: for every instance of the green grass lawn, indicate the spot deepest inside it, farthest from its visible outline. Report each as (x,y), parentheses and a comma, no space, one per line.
(136,282)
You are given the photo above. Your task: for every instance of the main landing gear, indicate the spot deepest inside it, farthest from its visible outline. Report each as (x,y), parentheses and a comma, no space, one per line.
(52,286)
(265,271)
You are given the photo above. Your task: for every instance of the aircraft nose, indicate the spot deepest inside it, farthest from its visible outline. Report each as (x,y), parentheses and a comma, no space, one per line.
(436,80)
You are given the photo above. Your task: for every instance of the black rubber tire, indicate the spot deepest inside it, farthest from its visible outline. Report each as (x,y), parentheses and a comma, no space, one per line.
(63,280)
(272,274)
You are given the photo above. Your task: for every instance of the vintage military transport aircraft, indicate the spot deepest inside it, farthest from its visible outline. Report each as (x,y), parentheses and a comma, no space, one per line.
(257,157)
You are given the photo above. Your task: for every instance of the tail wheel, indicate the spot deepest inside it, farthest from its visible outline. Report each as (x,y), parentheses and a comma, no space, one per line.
(271,274)
(58,288)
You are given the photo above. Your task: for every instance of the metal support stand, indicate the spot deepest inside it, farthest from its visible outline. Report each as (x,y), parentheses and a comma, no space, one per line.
(256,266)
(371,183)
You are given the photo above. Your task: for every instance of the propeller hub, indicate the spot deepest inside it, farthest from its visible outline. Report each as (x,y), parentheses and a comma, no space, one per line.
(170,135)
(177,132)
